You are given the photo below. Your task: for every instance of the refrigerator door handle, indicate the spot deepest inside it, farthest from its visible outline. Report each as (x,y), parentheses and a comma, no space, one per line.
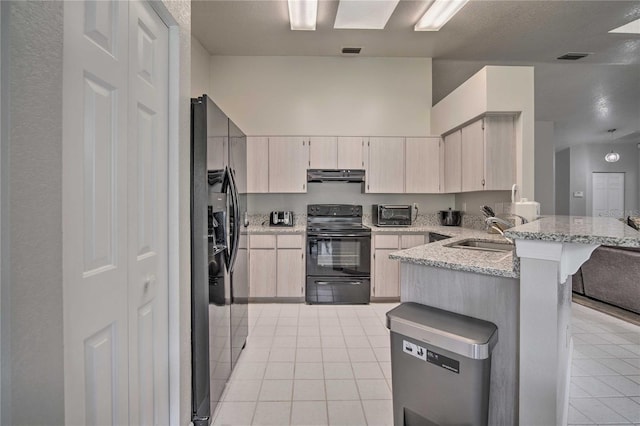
(236,221)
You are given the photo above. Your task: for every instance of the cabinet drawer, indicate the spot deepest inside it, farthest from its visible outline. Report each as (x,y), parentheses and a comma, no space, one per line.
(262,241)
(386,242)
(408,241)
(290,241)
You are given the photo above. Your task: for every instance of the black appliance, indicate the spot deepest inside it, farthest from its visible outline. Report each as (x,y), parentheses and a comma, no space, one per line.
(338,255)
(280,218)
(219,323)
(391,215)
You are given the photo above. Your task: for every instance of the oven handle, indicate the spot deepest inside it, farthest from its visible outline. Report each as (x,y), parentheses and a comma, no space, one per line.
(338,282)
(309,234)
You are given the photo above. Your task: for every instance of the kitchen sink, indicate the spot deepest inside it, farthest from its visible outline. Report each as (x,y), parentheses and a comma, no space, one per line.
(482,245)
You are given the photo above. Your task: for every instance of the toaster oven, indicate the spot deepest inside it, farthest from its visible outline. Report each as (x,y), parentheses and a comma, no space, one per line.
(391,215)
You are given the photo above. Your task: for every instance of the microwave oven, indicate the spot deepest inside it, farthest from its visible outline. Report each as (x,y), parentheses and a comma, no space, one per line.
(391,215)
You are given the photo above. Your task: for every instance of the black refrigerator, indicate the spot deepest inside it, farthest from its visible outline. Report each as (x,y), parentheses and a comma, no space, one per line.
(219,285)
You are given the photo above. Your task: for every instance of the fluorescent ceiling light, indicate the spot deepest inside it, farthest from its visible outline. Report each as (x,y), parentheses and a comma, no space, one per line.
(439,14)
(632,27)
(364,14)
(303,14)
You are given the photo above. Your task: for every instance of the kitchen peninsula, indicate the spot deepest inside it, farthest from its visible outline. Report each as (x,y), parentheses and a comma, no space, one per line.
(529,302)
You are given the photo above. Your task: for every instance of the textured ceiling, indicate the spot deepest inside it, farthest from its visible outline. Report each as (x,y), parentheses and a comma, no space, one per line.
(584,98)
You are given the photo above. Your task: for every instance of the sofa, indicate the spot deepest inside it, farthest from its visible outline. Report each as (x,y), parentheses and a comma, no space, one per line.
(611,275)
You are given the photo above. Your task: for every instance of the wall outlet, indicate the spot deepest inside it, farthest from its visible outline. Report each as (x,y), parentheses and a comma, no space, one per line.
(464,207)
(415,206)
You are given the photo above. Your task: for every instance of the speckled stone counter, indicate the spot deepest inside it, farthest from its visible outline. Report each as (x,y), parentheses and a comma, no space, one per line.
(577,229)
(439,255)
(259,224)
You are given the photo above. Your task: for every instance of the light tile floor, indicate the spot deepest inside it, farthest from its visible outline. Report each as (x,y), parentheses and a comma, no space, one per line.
(330,365)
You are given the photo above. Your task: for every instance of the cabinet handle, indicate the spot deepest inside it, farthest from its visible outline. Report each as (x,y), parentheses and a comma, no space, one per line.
(482,182)
(303,185)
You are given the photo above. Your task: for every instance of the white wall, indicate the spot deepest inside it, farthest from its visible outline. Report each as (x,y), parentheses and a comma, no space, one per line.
(587,159)
(545,167)
(342,96)
(200,73)
(33,288)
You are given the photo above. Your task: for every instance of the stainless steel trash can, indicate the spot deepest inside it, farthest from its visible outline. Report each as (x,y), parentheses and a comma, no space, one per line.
(441,366)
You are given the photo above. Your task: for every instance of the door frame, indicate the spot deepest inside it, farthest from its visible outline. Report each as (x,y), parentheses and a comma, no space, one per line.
(173,210)
(624,181)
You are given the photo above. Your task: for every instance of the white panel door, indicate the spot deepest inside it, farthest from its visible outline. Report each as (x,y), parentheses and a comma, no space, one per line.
(323,152)
(385,172)
(608,195)
(94,205)
(422,165)
(147,208)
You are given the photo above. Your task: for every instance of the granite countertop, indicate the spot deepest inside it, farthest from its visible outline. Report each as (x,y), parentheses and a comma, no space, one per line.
(437,254)
(578,229)
(266,229)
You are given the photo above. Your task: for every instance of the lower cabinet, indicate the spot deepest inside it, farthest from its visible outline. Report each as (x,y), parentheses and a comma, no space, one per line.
(385,276)
(276,266)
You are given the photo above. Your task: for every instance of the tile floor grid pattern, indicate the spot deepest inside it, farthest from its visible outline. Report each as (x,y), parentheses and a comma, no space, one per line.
(605,382)
(330,365)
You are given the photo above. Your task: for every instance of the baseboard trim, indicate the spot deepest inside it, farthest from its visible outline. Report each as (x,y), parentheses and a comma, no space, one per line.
(606,308)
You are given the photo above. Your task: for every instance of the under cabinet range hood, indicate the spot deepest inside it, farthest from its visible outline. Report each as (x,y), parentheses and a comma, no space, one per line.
(335,175)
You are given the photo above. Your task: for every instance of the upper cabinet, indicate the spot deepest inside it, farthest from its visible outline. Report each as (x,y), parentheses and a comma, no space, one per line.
(385,167)
(288,158)
(351,153)
(481,155)
(499,152)
(323,153)
(452,162)
(422,165)
(257,164)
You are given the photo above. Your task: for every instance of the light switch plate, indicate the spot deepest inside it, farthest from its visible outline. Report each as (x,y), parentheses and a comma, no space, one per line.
(578,194)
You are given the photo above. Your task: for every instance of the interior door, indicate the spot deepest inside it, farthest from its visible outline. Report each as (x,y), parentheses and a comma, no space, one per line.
(94,205)
(147,216)
(115,213)
(608,194)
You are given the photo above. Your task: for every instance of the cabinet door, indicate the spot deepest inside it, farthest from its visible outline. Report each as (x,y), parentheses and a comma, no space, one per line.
(288,159)
(257,164)
(323,153)
(422,174)
(387,274)
(452,162)
(385,172)
(350,153)
(473,156)
(262,272)
(290,273)
(408,241)
(499,155)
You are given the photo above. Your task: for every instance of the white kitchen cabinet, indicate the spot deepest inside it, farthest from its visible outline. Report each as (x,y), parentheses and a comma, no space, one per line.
(488,154)
(323,153)
(472,143)
(288,159)
(350,153)
(276,266)
(385,275)
(257,164)
(385,166)
(500,152)
(422,165)
(262,265)
(291,267)
(452,162)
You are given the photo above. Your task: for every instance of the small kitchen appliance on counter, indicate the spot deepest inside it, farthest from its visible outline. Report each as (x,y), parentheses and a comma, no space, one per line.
(450,217)
(391,215)
(281,218)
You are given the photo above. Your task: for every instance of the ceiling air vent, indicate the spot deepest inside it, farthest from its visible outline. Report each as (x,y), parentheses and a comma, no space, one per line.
(351,50)
(573,56)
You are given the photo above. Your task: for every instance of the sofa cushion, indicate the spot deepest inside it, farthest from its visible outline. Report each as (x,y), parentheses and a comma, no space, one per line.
(612,275)
(576,282)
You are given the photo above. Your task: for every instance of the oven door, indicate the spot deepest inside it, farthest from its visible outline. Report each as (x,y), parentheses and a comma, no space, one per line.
(338,255)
